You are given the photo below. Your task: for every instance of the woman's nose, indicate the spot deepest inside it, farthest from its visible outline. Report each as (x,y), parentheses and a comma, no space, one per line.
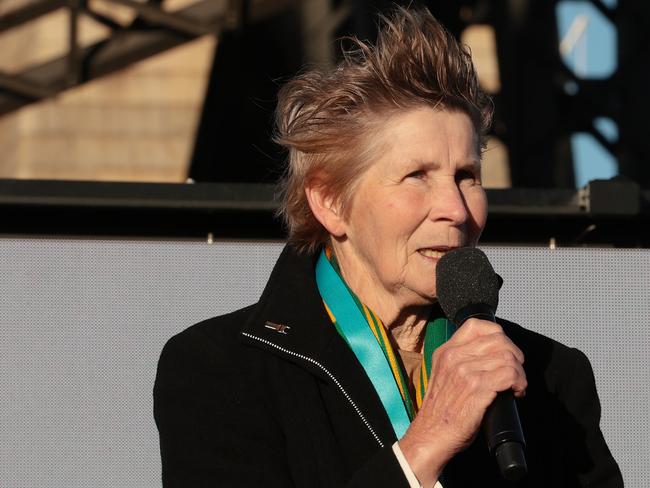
(448,203)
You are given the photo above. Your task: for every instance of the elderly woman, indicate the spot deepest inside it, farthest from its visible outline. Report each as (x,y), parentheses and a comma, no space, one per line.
(384,178)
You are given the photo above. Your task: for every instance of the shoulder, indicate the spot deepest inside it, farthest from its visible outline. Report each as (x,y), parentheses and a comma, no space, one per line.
(207,368)
(561,409)
(220,332)
(211,409)
(537,343)
(556,362)
(207,350)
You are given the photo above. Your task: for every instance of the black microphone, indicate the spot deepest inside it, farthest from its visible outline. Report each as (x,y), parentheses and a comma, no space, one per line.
(467,287)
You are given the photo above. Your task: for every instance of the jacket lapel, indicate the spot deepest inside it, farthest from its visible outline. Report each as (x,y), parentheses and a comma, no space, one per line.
(290,321)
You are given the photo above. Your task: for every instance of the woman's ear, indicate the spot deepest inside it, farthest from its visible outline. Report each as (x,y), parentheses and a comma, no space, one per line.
(325,208)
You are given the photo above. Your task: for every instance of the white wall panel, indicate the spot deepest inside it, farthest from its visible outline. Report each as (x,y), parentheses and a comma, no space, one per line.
(82,323)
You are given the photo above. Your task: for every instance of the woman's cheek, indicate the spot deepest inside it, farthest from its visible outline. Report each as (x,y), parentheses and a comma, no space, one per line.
(477,208)
(408,201)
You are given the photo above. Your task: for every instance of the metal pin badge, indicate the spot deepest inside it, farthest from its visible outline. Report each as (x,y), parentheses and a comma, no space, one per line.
(281,328)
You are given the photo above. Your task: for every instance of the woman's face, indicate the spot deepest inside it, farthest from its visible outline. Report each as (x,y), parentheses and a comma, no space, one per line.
(422,197)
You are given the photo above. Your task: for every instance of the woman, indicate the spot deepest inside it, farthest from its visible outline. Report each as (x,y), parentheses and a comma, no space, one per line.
(383,179)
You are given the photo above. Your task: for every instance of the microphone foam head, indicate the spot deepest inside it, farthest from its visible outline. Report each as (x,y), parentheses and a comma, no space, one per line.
(464,276)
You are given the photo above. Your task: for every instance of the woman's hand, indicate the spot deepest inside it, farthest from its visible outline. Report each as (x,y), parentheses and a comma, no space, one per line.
(467,372)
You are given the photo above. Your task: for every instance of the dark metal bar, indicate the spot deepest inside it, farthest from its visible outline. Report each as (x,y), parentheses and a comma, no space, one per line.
(74,64)
(29,12)
(529,201)
(248,196)
(102,19)
(262,10)
(123,48)
(533,216)
(608,12)
(93,194)
(22,87)
(173,21)
(606,143)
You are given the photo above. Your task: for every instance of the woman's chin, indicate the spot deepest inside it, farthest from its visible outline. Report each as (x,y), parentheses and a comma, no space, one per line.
(424,298)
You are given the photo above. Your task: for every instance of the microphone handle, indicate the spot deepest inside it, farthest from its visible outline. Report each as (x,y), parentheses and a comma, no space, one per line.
(501,425)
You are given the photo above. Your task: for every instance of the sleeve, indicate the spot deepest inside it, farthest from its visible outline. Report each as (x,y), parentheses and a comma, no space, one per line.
(589,456)
(203,411)
(383,470)
(408,472)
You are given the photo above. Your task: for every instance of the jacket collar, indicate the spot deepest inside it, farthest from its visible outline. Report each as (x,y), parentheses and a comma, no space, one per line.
(290,312)
(290,321)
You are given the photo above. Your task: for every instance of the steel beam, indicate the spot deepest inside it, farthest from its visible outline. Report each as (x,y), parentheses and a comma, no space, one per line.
(175,21)
(521,216)
(23,88)
(123,48)
(126,45)
(31,11)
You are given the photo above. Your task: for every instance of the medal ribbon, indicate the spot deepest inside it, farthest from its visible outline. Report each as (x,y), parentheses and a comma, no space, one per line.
(367,337)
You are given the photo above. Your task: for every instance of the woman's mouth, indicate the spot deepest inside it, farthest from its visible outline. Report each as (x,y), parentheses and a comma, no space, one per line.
(432,253)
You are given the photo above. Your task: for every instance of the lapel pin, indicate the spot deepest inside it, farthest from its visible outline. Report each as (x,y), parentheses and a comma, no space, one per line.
(280,328)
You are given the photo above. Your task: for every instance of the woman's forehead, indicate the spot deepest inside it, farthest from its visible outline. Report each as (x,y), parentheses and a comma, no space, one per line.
(426,134)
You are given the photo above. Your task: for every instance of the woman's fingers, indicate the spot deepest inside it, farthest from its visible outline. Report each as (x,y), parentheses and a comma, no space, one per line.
(494,374)
(481,349)
(467,372)
(483,337)
(476,381)
(477,327)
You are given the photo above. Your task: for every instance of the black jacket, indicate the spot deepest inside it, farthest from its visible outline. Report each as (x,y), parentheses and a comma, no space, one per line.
(272,396)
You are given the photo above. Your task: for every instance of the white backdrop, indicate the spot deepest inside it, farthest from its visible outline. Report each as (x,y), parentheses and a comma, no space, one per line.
(82,323)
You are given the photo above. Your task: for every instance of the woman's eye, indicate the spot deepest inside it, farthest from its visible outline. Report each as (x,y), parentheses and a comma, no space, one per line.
(420,173)
(466,177)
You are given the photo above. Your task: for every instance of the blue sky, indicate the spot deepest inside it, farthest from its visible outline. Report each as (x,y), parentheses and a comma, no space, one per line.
(590,47)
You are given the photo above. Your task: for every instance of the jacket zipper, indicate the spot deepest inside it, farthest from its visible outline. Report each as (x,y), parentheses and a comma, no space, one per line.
(332,377)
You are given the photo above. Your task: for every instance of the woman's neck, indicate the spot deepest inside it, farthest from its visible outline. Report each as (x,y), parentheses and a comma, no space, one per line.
(409,333)
(405,322)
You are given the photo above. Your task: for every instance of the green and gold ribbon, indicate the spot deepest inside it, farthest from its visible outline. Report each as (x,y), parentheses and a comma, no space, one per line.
(438,330)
